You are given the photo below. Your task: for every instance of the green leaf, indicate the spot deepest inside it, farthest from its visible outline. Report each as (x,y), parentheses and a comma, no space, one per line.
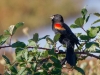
(47,45)
(98,27)
(34,66)
(92,32)
(97,14)
(28,71)
(13,69)
(22,64)
(45,53)
(19,44)
(92,48)
(54,59)
(19,53)
(88,45)
(30,58)
(6,59)
(36,37)
(96,21)
(17,26)
(45,72)
(97,51)
(79,70)
(20,59)
(84,11)
(26,54)
(32,43)
(6,32)
(12,29)
(45,66)
(79,21)
(21,70)
(56,37)
(44,37)
(49,41)
(78,34)
(74,26)
(56,71)
(51,52)
(7,73)
(3,39)
(87,18)
(37,73)
(49,64)
(84,37)
(57,65)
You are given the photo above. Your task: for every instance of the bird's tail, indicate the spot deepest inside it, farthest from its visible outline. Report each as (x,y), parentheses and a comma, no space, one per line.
(70,55)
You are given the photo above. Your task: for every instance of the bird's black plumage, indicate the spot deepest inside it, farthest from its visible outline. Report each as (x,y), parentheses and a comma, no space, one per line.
(67,37)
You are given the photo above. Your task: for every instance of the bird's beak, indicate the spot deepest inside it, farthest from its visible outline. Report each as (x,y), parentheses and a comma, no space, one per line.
(52,17)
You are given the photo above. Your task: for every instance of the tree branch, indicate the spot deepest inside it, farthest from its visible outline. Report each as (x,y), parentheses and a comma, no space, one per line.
(58,51)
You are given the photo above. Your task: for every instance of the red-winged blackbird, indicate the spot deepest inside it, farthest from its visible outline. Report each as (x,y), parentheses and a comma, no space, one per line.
(67,37)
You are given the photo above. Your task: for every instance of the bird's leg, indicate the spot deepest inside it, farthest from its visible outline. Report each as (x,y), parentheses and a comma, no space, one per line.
(57,51)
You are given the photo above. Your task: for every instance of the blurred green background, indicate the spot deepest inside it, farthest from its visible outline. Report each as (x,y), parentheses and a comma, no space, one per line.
(36,14)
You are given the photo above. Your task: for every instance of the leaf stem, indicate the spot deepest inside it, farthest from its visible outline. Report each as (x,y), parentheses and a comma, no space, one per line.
(10,39)
(84,29)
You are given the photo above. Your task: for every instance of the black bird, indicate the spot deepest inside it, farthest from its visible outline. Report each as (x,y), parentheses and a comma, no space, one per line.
(67,37)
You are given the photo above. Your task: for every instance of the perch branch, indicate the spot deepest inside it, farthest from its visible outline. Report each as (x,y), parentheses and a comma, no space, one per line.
(60,51)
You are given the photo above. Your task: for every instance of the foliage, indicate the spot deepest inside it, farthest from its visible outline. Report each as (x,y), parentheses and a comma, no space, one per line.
(31,61)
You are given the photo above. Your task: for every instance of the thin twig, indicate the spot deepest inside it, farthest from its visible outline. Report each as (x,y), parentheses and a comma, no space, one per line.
(5,46)
(89,54)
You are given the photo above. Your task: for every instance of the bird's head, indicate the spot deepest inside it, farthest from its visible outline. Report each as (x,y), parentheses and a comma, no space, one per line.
(57,18)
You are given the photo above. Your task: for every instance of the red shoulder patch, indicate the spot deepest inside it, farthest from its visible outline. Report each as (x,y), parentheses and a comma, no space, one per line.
(58,26)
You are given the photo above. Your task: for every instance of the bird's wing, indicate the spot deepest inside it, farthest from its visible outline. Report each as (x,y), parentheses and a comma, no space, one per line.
(70,34)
